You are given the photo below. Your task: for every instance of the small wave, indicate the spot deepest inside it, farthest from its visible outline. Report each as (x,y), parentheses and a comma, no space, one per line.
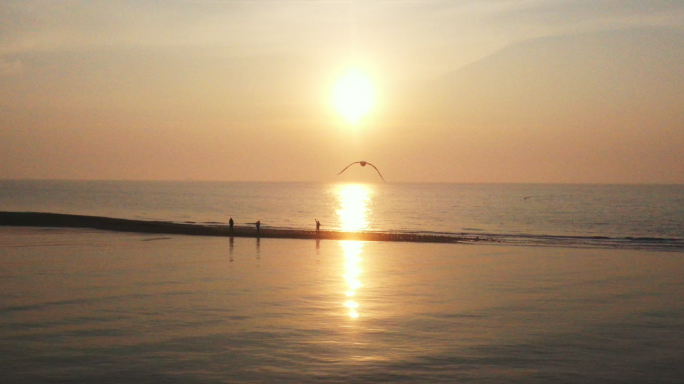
(652,239)
(642,243)
(156,238)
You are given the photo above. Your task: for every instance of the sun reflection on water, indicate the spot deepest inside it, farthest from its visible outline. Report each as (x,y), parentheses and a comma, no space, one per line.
(353,213)
(352,258)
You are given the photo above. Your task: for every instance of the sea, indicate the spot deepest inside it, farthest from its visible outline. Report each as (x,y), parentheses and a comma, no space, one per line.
(583,284)
(631,216)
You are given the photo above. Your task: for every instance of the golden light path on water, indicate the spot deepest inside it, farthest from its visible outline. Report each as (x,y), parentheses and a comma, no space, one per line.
(353,214)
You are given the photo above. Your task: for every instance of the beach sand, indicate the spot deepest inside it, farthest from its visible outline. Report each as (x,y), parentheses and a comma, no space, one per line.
(39,219)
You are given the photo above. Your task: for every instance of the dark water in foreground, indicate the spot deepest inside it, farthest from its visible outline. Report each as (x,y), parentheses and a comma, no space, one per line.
(95,307)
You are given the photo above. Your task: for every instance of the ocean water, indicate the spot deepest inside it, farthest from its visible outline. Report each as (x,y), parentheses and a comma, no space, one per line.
(82,306)
(604,304)
(632,216)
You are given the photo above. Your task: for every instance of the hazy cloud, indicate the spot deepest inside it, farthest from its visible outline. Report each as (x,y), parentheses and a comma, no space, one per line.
(421,36)
(597,14)
(8,68)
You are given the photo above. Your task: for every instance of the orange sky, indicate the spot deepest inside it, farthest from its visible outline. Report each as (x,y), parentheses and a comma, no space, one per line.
(568,91)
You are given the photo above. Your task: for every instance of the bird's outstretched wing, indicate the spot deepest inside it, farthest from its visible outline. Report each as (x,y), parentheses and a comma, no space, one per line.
(383,179)
(345,168)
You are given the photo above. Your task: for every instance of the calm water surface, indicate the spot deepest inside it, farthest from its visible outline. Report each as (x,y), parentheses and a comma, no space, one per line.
(87,306)
(101,307)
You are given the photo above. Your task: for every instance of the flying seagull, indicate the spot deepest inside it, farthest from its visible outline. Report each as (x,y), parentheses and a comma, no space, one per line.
(363,164)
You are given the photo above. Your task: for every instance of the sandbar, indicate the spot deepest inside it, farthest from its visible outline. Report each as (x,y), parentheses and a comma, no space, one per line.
(59,220)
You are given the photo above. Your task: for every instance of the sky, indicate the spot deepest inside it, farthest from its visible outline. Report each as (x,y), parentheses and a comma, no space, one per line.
(493,91)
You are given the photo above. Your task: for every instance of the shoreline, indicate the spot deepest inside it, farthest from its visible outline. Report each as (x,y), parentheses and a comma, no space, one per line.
(59,220)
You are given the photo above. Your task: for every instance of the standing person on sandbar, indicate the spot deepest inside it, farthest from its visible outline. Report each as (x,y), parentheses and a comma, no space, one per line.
(258,224)
(230,224)
(318,226)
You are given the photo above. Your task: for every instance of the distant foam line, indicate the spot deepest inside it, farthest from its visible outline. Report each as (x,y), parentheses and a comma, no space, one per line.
(569,241)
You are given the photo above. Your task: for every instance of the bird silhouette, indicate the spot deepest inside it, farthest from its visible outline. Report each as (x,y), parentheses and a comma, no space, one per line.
(363,164)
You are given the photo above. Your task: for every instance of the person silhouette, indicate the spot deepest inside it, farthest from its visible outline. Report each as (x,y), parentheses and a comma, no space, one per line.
(230,224)
(258,224)
(318,226)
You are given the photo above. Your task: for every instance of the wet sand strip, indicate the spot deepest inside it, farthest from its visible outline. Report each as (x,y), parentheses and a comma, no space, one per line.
(58,220)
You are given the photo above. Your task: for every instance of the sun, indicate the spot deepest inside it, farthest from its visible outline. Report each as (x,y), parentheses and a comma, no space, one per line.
(353,95)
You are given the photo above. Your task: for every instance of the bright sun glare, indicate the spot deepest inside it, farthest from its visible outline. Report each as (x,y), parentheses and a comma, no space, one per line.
(353,95)
(354,210)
